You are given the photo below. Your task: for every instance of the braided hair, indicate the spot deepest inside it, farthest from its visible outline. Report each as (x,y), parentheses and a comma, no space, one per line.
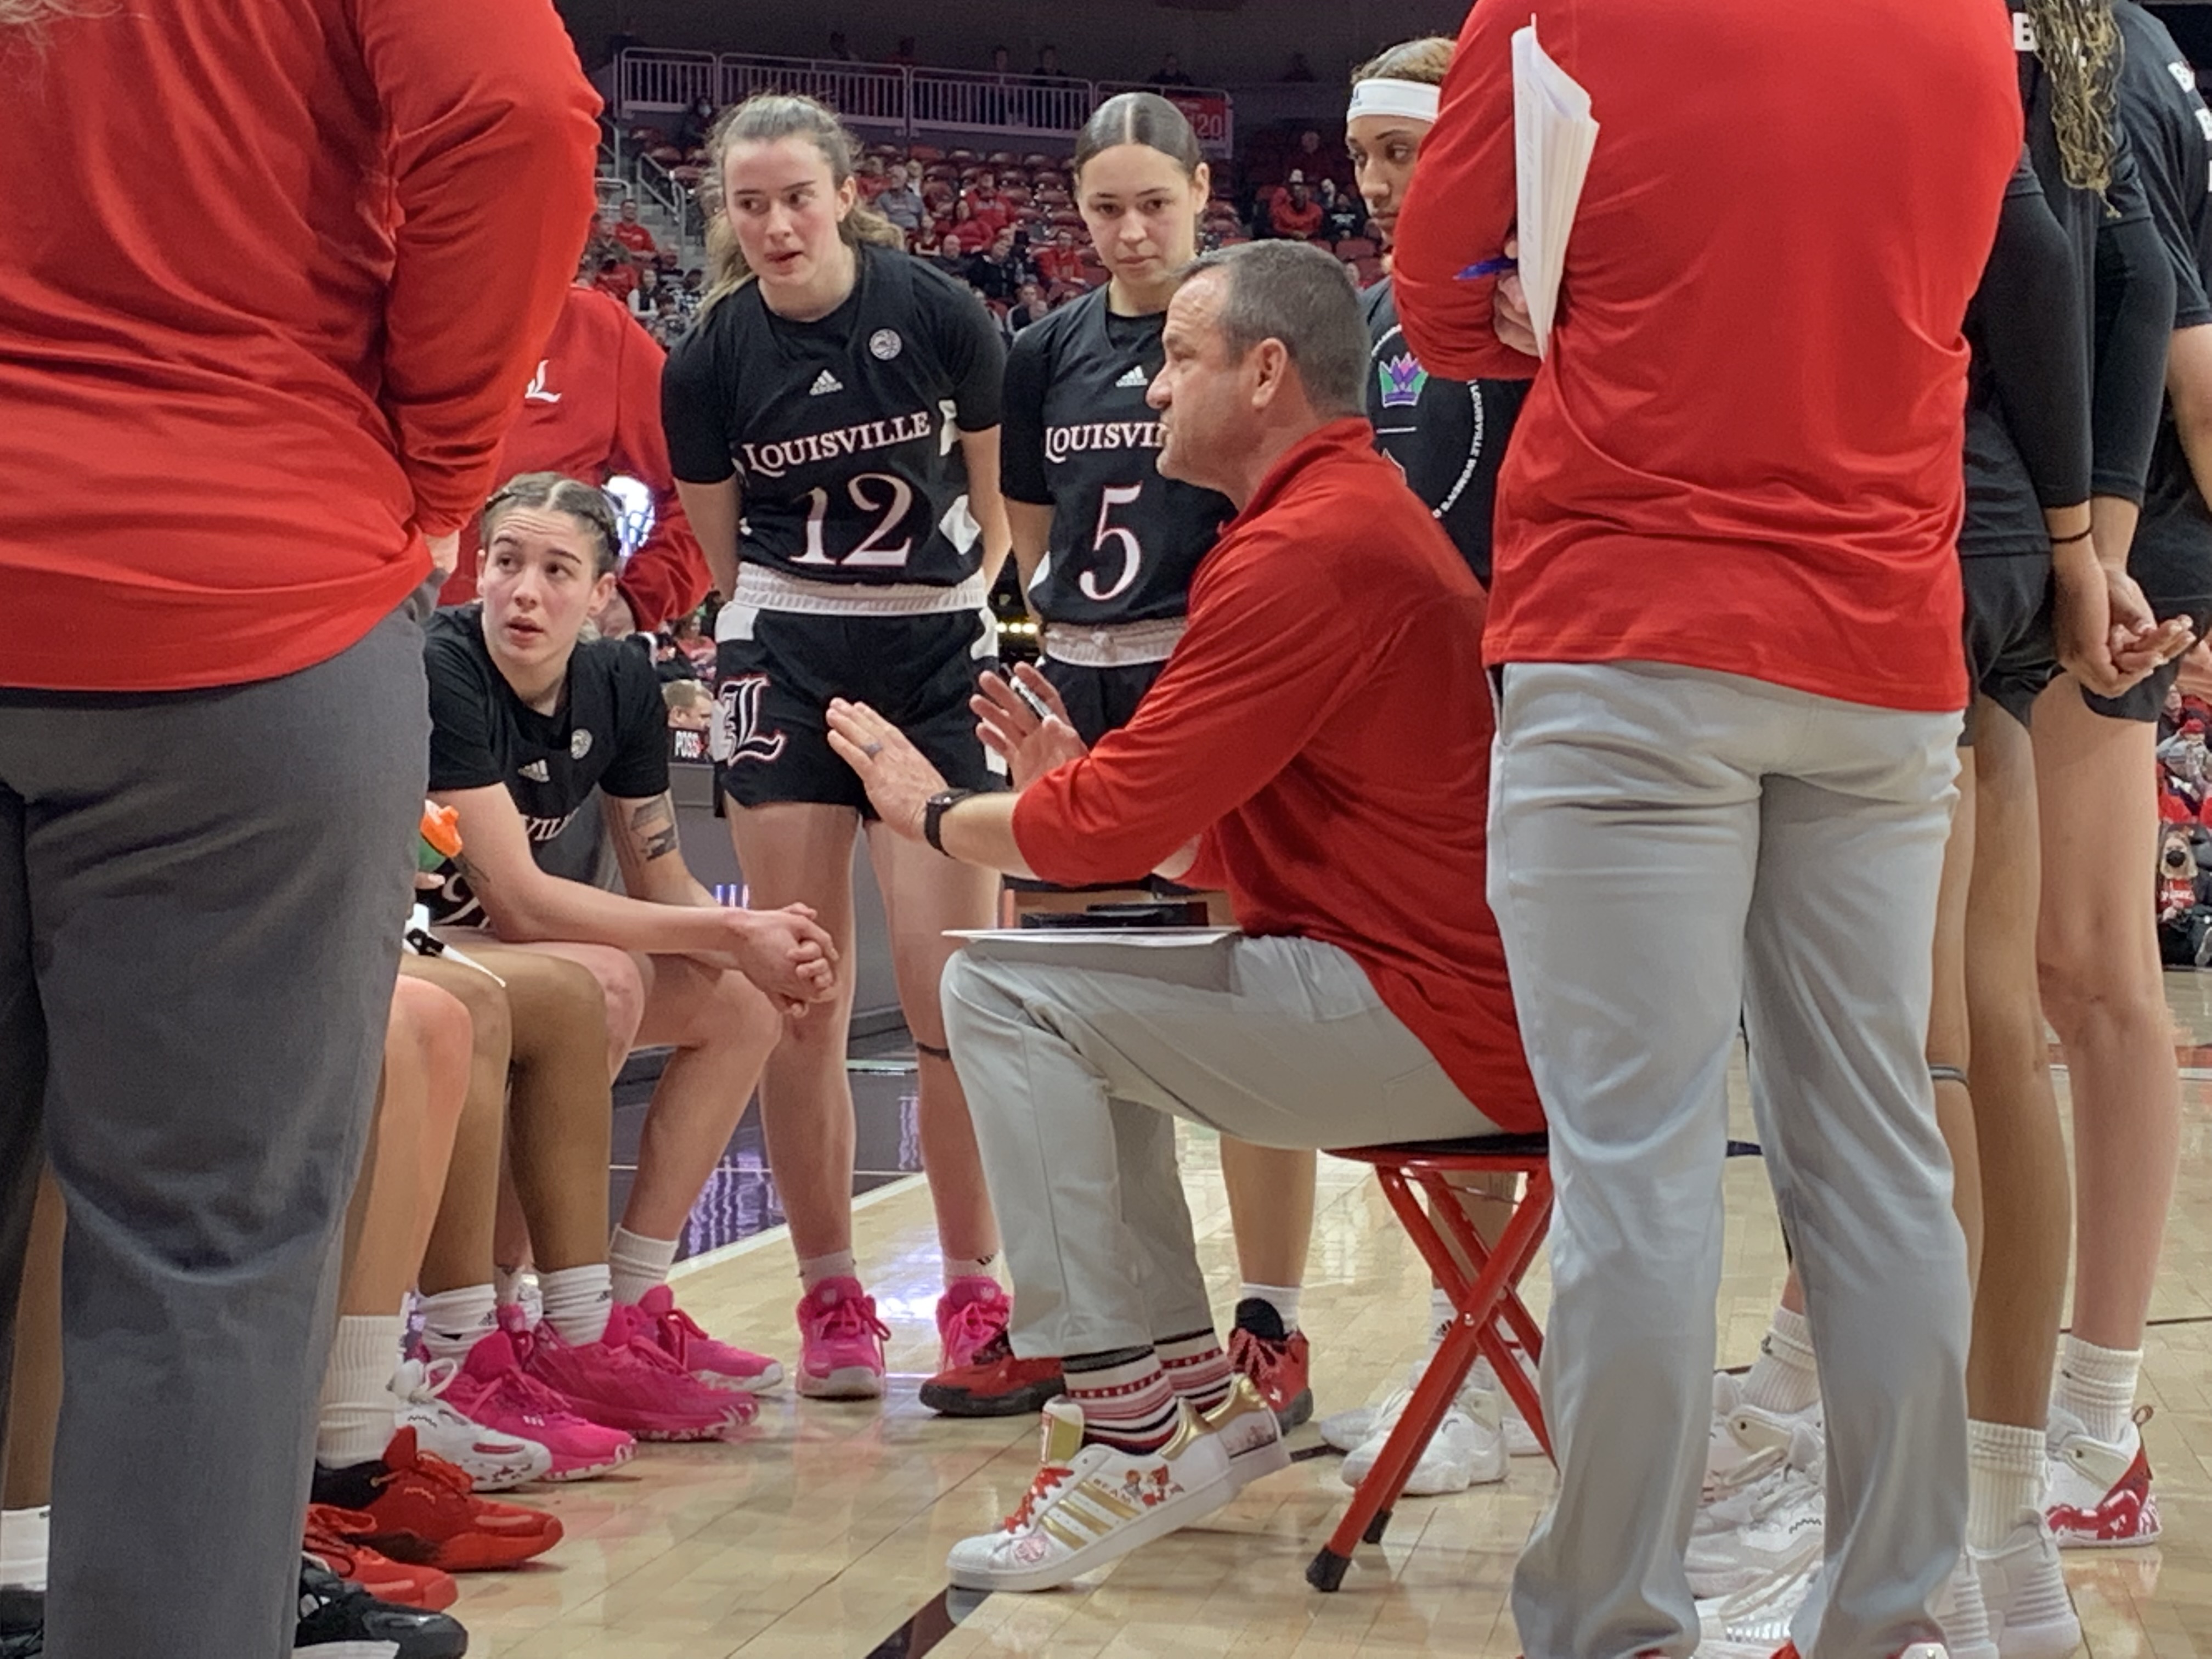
(2078,43)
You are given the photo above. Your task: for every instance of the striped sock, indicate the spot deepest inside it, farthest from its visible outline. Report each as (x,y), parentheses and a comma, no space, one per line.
(1128,1401)
(1197,1368)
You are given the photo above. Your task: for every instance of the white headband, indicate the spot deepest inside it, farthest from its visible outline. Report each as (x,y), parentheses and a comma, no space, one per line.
(1413,99)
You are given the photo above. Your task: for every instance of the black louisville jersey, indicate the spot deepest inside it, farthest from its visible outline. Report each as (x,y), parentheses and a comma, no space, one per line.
(1080,438)
(844,433)
(2004,513)
(610,731)
(1446,436)
(2171,131)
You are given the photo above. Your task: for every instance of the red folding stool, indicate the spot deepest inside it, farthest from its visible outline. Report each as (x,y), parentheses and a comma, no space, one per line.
(1490,1313)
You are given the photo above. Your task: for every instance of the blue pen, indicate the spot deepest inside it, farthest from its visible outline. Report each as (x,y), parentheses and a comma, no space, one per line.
(1489,268)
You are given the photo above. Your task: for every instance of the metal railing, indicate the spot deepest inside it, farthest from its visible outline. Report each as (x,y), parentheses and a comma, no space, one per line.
(650,83)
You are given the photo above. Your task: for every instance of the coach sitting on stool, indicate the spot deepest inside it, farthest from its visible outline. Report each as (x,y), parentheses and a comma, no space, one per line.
(1319,746)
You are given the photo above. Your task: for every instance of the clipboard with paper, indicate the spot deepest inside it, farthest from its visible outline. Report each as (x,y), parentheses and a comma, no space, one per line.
(1554,138)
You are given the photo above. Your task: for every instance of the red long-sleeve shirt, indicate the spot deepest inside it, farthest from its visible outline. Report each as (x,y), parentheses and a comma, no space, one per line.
(592,409)
(1742,452)
(274,275)
(1325,725)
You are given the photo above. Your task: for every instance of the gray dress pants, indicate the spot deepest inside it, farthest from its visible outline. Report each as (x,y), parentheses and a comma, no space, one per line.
(1078,1053)
(201,894)
(1672,850)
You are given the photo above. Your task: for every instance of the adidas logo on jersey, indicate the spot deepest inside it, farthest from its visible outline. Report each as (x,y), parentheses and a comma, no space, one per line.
(536,771)
(825,383)
(1136,376)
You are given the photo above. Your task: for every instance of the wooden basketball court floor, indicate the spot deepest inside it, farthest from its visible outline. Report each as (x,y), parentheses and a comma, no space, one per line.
(822,1535)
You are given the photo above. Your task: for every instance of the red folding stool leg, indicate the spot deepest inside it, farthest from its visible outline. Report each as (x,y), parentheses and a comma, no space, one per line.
(1371,1503)
(1513,1316)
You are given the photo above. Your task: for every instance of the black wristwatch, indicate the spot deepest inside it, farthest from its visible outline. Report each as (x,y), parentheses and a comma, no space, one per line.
(932,815)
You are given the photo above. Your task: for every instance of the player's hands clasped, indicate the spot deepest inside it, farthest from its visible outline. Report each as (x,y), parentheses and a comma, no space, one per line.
(786,953)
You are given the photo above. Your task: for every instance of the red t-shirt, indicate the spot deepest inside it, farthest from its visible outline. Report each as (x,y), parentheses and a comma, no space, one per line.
(1291,220)
(240,396)
(592,409)
(971,235)
(1325,725)
(1058,265)
(1743,452)
(636,238)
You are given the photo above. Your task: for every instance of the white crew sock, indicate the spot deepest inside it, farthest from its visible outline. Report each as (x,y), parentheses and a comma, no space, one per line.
(1282,1298)
(454,1321)
(2097,1385)
(638,1264)
(2004,1482)
(1783,1378)
(815,1270)
(577,1301)
(508,1284)
(957,1268)
(23,1549)
(354,1422)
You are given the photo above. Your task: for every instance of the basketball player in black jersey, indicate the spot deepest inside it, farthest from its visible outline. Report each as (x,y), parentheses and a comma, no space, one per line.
(832,420)
(1107,548)
(1447,437)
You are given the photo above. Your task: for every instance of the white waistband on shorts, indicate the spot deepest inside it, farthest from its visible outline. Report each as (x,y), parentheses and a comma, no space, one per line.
(1116,645)
(764,589)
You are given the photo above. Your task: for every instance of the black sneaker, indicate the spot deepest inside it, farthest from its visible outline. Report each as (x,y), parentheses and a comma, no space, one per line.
(334,1615)
(23,1624)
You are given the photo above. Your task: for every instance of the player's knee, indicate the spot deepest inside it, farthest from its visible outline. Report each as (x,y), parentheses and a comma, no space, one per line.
(491,1024)
(742,1016)
(554,991)
(622,991)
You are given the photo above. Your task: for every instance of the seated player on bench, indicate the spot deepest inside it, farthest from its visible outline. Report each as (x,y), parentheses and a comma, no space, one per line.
(1318,746)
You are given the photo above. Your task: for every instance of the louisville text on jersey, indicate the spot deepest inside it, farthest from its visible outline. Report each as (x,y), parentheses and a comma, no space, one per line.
(773,460)
(1062,442)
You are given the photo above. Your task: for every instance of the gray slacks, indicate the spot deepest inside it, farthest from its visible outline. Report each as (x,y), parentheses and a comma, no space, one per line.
(1078,1052)
(201,894)
(1673,849)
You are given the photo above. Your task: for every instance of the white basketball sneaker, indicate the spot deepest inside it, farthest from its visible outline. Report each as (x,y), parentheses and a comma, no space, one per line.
(1741,1430)
(1468,1449)
(2097,1494)
(1783,1514)
(493,1460)
(1092,1505)
(2024,1586)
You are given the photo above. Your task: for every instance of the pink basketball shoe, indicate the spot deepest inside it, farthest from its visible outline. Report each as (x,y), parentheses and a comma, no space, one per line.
(622,1384)
(657,1319)
(971,1314)
(842,1342)
(492,1388)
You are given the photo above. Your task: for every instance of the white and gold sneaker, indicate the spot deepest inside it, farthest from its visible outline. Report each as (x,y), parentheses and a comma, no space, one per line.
(1249,1432)
(1091,1505)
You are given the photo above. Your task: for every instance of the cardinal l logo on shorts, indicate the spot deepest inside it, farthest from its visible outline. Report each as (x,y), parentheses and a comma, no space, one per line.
(736,734)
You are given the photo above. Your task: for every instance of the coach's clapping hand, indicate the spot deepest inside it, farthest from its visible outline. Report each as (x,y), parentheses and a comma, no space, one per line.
(897,776)
(1031,745)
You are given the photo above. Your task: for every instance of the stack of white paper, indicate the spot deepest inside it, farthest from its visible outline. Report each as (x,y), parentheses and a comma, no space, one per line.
(1553,137)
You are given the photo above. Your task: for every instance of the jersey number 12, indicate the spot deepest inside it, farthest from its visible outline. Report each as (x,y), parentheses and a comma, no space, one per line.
(874,549)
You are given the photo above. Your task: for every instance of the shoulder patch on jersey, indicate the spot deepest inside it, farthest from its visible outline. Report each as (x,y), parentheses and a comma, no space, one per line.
(1136,376)
(2184,74)
(825,384)
(1402,378)
(580,743)
(885,344)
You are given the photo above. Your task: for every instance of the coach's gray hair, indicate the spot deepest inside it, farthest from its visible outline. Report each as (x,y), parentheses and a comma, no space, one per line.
(1294,292)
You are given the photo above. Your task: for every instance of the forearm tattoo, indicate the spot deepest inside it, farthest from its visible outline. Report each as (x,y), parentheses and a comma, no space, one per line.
(653,828)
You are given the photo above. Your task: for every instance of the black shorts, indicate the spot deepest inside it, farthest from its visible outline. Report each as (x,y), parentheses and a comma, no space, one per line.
(2010,654)
(773,686)
(1099,700)
(2171,562)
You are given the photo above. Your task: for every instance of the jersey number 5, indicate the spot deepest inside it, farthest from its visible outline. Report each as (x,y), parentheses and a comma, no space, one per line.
(874,549)
(1132,552)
